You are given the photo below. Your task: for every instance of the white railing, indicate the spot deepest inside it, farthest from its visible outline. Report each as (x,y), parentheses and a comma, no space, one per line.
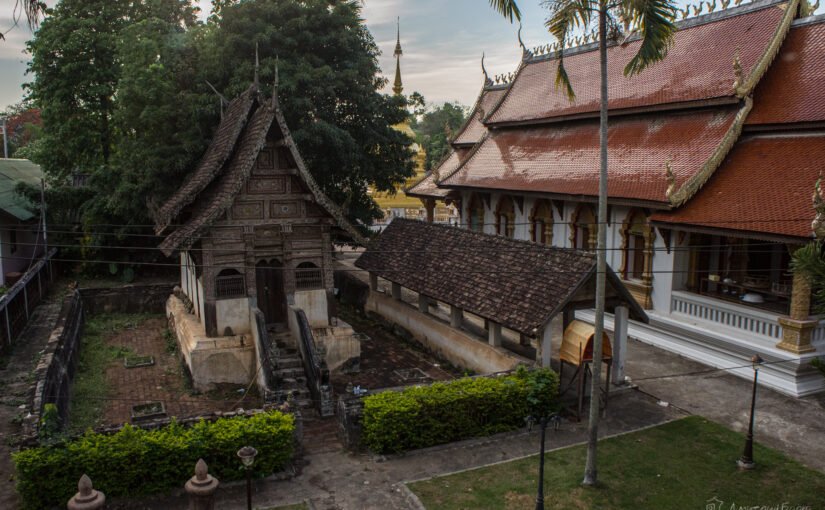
(728,314)
(818,335)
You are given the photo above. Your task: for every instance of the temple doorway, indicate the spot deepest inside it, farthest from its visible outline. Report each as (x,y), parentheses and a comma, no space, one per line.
(269,279)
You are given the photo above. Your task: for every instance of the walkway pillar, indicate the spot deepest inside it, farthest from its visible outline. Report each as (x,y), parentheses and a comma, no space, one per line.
(423,303)
(201,488)
(620,322)
(545,343)
(798,329)
(494,334)
(429,206)
(373,282)
(456,317)
(396,291)
(87,498)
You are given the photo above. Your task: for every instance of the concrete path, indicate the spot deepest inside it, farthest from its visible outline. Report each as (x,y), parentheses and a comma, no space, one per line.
(341,481)
(15,383)
(794,426)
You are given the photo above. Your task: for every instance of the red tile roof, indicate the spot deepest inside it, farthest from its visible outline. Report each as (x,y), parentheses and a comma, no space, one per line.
(473,129)
(765,185)
(699,66)
(792,89)
(564,159)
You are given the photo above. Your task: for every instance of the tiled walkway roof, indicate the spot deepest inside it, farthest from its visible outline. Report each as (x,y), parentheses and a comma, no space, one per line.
(699,66)
(427,186)
(518,284)
(764,186)
(792,90)
(564,159)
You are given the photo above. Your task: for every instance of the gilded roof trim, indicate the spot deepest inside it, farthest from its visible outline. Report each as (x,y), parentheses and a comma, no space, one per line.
(761,67)
(695,183)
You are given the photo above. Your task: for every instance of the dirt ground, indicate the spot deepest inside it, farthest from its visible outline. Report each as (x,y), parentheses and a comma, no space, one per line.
(166,381)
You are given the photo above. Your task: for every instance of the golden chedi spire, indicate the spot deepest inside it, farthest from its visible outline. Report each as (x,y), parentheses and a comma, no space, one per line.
(397,87)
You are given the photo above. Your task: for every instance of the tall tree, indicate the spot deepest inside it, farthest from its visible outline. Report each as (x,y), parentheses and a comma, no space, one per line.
(329,90)
(436,127)
(654,21)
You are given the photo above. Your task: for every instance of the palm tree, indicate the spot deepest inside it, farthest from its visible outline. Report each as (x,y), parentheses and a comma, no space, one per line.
(653,20)
(32,9)
(507,8)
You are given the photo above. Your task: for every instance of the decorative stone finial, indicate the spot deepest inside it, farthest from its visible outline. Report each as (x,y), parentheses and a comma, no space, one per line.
(725,3)
(201,487)
(671,179)
(87,498)
(711,6)
(201,471)
(698,10)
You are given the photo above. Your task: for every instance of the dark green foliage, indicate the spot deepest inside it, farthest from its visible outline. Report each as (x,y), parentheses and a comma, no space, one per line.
(436,128)
(135,462)
(422,416)
(810,260)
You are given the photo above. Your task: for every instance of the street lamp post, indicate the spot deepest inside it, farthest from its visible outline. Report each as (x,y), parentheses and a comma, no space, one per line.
(746,460)
(247,455)
(543,422)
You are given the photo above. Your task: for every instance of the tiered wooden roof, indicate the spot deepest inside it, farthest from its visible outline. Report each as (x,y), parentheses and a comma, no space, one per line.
(518,284)
(679,126)
(226,166)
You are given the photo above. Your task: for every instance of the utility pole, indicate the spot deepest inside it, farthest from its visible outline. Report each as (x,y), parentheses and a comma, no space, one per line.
(5,141)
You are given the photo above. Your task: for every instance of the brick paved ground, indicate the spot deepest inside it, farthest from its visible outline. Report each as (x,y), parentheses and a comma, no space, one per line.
(165,381)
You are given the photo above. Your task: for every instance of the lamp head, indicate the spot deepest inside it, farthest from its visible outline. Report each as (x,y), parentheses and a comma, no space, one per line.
(247,455)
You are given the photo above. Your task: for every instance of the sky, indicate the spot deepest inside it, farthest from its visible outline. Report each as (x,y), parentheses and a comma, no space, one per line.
(442,40)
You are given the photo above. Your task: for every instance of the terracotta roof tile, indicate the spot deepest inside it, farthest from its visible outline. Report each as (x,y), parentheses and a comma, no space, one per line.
(427,187)
(564,159)
(515,283)
(764,185)
(791,90)
(473,129)
(699,66)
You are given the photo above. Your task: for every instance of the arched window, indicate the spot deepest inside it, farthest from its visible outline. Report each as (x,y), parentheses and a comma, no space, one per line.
(308,276)
(230,283)
(541,223)
(475,214)
(583,231)
(637,247)
(506,217)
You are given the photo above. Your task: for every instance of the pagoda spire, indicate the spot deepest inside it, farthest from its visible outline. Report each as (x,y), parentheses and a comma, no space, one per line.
(398,87)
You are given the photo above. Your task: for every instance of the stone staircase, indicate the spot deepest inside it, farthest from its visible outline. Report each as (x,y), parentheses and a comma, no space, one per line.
(289,374)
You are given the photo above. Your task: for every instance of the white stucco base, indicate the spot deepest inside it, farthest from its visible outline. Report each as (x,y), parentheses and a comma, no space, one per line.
(314,304)
(340,343)
(710,344)
(228,359)
(454,345)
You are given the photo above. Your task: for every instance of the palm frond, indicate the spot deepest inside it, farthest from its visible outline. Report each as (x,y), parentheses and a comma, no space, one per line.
(655,19)
(810,261)
(507,8)
(565,16)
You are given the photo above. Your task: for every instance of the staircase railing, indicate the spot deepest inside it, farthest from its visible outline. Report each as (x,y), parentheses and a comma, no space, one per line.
(315,367)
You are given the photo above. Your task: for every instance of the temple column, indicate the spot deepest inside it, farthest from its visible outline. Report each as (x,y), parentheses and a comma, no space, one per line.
(456,317)
(798,328)
(494,334)
(429,206)
(620,320)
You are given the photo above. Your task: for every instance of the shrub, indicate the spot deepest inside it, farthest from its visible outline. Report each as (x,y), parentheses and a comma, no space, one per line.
(422,416)
(134,462)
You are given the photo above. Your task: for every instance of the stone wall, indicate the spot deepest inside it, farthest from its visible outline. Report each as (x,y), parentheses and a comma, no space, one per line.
(148,298)
(56,369)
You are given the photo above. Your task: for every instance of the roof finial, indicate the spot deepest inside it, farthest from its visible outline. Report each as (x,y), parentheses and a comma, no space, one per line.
(257,65)
(525,53)
(397,86)
(276,81)
(487,81)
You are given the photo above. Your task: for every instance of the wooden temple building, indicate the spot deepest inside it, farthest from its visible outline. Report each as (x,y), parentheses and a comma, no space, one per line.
(253,231)
(713,157)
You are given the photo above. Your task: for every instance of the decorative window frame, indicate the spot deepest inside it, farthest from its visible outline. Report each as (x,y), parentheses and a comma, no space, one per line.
(574,225)
(510,227)
(640,288)
(230,285)
(309,276)
(548,226)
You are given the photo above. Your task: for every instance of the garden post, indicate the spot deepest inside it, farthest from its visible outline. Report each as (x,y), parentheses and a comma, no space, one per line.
(201,488)
(87,498)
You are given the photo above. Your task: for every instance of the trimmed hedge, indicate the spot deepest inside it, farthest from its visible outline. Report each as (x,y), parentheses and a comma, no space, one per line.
(422,416)
(134,462)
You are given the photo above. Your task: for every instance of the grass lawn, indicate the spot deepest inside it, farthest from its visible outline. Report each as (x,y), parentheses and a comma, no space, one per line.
(89,388)
(682,464)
